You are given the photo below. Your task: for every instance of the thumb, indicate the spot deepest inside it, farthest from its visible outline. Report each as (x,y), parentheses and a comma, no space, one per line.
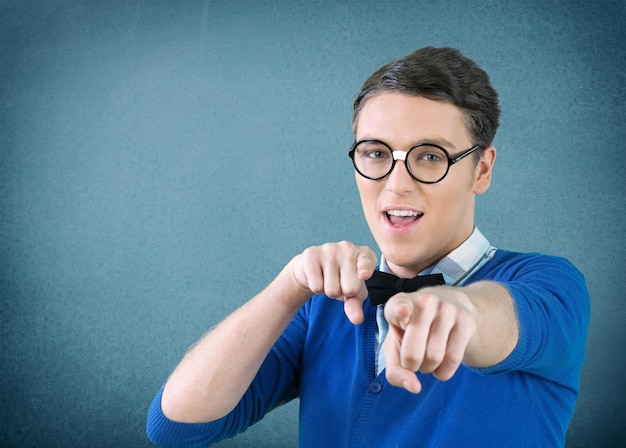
(365,266)
(365,263)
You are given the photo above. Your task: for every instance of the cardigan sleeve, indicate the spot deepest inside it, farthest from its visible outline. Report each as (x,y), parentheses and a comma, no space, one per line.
(553,310)
(276,383)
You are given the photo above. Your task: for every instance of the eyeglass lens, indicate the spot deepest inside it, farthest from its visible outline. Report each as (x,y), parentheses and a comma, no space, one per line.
(375,160)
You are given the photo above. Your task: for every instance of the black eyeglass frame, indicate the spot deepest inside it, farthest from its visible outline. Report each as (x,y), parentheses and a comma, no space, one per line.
(405,154)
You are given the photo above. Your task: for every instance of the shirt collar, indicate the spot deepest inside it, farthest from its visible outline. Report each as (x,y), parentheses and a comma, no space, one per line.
(460,264)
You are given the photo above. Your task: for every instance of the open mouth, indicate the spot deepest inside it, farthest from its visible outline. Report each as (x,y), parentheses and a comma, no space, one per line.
(401,218)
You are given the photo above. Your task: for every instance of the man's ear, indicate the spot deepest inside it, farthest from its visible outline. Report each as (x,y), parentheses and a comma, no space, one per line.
(483,170)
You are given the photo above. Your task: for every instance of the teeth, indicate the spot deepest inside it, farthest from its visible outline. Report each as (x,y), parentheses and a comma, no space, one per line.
(402,213)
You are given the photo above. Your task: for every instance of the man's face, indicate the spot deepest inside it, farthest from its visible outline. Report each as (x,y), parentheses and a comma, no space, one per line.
(442,213)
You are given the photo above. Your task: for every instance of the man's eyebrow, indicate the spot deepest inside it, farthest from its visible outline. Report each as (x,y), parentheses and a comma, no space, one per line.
(439,141)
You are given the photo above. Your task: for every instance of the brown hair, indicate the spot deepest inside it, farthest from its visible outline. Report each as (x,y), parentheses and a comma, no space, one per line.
(440,74)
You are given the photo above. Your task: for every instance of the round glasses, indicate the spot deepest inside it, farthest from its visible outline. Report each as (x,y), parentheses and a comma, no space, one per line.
(426,163)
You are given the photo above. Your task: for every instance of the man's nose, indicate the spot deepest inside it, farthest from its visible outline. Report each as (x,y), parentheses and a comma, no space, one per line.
(400,181)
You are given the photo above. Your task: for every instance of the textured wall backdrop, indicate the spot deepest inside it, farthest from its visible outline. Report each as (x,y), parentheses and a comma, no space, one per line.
(161,161)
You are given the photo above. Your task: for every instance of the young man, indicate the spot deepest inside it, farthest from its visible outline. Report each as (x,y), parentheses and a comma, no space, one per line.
(491,358)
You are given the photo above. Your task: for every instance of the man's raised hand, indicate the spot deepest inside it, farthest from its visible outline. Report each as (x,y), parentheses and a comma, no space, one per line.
(338,270)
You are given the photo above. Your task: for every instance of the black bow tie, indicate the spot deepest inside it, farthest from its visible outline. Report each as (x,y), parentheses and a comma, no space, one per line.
(382,286)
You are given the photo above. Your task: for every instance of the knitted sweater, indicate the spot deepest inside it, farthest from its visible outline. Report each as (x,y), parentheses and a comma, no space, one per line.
(527,400)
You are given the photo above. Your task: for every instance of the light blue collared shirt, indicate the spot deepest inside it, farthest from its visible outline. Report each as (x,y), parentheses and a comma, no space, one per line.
(457,267)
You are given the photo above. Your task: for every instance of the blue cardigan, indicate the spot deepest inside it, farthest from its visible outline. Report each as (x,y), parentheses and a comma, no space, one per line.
(527,400)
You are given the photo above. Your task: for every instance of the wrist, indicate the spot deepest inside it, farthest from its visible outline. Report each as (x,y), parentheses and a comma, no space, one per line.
(290,290)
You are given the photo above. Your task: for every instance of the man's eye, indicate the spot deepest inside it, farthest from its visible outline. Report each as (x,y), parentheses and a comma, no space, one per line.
(377,154)
(431,157)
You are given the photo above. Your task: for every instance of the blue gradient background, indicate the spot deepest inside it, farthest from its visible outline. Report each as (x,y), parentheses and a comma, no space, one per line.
(161,161)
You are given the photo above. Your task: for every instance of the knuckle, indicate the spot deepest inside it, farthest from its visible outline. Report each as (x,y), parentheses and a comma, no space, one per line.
(411,361)
(344,244)
(332,291)
(454,358)
(311,253)
(346,248)
(448,310)
(466,320)
(443,373)
(331,251)
(335,245)
(352,291)
(433,356)
(316,287)
(426,301)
